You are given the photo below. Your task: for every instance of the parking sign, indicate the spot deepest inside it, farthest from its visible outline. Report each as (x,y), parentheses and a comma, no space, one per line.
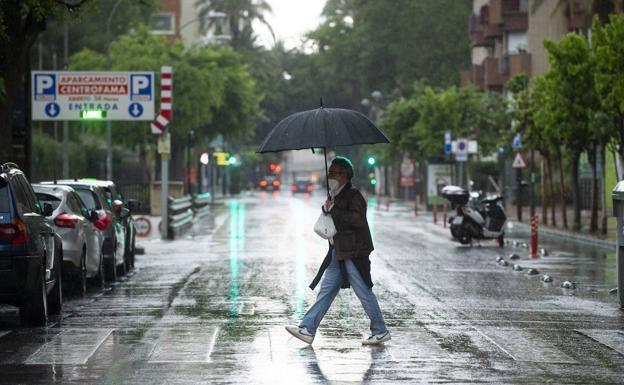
(65,95)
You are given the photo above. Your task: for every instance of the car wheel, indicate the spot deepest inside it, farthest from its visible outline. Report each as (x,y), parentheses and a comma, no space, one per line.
(55,299)
(98,280)
(34,306)
(121,269)
(81,275)
(110,270)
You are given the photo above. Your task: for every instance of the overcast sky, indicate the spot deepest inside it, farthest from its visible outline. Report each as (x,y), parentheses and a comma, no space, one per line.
(290,20)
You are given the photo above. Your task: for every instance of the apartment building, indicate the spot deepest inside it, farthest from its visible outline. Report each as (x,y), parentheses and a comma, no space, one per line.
(179,19)
(507,37)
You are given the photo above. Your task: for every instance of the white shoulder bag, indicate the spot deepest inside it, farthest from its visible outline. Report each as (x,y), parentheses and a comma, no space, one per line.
(324,226)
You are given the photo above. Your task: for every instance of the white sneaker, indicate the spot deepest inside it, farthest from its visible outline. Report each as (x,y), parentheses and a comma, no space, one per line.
(302,333)
(377,339)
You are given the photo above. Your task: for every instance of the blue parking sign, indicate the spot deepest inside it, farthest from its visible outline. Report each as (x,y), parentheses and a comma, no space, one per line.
(45,87)
(141,87)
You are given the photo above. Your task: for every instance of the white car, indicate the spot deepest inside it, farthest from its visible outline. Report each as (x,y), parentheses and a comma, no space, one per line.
(82,240)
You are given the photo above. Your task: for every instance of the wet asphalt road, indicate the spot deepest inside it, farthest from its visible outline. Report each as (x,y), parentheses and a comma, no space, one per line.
(211,309)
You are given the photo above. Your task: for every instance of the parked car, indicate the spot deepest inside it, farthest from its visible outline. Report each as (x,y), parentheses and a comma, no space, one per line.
(123,211)
(31,253)
(270,182)
(302,186)
(82,240)
(96,198)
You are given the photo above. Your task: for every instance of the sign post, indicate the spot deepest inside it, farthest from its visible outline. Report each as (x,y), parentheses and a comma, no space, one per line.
(159,126)
(519,164)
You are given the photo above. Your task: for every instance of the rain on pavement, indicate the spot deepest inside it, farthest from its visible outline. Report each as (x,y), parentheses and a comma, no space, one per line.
(211,309)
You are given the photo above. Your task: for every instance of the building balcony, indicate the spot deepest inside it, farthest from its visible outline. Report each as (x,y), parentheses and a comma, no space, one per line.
(519,63)
(579,21)
(515,21)
(493,74)
(492,31)
(472,76)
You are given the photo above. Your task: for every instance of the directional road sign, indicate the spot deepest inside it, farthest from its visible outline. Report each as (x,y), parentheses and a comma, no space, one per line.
(518,161)
(64,95)
(517,142)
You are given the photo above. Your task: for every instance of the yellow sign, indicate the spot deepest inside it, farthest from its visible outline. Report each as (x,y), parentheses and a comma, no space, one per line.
(222,158)
(164,144)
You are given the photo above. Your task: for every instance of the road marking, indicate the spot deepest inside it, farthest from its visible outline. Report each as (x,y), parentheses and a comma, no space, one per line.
(613,339)
(523,346)
(184,346)
(70,346)
(247,308)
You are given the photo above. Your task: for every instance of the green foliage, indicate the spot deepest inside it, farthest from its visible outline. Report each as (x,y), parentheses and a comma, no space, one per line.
(608,44)
(213,93)
(374,45)
(571,87)
(419,122)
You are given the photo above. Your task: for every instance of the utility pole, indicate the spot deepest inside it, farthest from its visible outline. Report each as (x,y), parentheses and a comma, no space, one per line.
(164,189)
(65,122)
(109,127)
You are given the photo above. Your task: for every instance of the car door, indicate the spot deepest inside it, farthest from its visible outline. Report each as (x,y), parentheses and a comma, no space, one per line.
(93,236)
(41,232)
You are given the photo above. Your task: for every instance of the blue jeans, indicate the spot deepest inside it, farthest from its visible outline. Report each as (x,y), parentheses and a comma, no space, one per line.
(330,286)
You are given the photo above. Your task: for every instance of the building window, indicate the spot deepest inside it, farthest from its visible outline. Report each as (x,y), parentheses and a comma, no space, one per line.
(163,23)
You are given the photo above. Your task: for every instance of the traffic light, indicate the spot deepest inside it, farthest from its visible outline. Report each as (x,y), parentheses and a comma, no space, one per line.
(272,166)
(371,161)
(233,160)
(371,178)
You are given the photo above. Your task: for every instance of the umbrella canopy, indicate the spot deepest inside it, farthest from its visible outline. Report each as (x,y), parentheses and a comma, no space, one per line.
(322,128)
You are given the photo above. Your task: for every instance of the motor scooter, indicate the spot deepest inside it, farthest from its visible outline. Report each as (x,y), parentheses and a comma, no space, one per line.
(475,218)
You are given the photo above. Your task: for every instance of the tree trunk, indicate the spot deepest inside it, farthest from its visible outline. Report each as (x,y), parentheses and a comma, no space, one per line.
(593,223)
(22,31)
(564,206)
(543,191)
(551,192)
(603,198)
(576,190)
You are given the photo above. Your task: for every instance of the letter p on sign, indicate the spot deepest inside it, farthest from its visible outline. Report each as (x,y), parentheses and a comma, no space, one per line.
(141,87)
(45,87)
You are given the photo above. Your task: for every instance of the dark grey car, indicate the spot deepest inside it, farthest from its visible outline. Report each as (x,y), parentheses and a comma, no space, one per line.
(30,250)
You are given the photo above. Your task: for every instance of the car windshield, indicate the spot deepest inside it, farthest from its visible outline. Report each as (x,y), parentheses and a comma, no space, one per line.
(4,198)
(47,198)
(88,199)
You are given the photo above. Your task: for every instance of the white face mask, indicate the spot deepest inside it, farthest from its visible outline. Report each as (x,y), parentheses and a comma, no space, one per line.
(333,184)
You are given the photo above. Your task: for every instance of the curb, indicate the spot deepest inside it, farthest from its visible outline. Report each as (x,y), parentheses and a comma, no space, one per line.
(579,238)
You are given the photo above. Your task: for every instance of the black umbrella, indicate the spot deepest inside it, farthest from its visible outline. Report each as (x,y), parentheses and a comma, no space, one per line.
(322,128)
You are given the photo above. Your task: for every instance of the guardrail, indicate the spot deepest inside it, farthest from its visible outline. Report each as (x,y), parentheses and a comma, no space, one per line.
(183,211)
(201,205)
(180,216)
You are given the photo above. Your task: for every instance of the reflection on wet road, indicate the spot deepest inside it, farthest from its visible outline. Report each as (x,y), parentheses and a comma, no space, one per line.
(211,308)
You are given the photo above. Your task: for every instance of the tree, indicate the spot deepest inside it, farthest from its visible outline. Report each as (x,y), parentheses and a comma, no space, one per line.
(240,15)
(571,87)
(21,22)
(213,94)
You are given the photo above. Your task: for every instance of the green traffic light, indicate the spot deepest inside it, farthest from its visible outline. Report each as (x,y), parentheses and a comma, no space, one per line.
(373,181)
(233,160)
(371,161)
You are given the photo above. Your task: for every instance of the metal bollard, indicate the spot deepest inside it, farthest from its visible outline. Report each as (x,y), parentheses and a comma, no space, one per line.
(435,214)
(416,199)
(534,224)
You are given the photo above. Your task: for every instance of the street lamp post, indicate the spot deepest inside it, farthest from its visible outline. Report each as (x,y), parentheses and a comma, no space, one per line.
(109,128)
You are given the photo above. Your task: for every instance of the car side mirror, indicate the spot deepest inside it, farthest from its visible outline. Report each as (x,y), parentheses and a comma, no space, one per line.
(124,213)
(92,215)
(133,204)
(47,209)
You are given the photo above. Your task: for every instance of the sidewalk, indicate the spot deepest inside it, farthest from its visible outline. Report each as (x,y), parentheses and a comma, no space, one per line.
(524,227)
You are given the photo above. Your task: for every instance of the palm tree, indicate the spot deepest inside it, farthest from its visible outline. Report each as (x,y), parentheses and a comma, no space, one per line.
(240,14)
